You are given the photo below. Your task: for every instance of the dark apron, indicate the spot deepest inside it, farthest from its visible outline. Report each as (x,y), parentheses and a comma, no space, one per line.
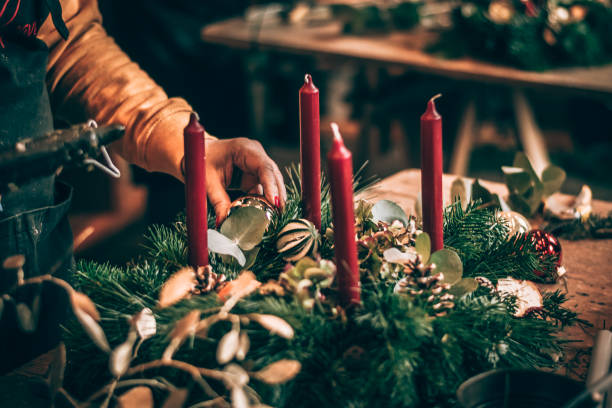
(33,219)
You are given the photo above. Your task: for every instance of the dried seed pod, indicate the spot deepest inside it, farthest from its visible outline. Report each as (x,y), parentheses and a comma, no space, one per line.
(228,346)
(274,324)
(297,239)
(243,346)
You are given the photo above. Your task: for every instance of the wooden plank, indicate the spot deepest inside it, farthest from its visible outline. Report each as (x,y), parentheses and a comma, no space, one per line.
(403,49)
(588,262)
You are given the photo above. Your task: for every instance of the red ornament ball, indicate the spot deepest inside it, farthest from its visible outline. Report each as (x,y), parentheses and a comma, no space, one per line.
(547,245)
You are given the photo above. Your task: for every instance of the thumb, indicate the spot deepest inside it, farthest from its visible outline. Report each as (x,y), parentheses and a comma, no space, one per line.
(217,196)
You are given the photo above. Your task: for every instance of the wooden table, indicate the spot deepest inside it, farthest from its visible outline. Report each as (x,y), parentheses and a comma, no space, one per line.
(407,50)
(404,49)
(588,262)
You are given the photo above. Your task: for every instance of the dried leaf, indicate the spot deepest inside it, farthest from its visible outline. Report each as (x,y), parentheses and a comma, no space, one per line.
(177,287)
(243,346)
(394,255)
(239,398)
(186,326)
(144,323)
(121,357)
(176,399)
(25,318)
(93,330)
(236,376)
(228,346)
(273,324)
(241,286)
(137,397)
(83,303)
(279,372)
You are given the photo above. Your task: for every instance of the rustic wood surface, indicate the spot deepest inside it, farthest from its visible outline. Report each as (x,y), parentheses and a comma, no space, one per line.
(403,49)
(588,262)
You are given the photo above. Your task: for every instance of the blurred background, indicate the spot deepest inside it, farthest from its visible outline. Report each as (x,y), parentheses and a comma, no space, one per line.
(214,54)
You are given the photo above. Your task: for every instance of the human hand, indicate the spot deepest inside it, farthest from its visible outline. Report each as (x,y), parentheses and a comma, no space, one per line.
(260,175)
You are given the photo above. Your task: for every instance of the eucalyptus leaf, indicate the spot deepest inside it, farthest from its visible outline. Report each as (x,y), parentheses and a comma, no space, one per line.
(522,161)
(463,287)
(423,246)
(387,211)
(552,179)
(220,244)
(245,226)
(449,263)
(518,180)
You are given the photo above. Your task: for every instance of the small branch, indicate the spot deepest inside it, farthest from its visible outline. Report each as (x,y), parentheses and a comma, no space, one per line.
(128,383)
(195,372)
(210,403)
(111,391)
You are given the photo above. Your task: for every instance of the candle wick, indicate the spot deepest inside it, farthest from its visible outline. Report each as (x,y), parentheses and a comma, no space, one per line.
(336,131)
(433,98)
(307,79)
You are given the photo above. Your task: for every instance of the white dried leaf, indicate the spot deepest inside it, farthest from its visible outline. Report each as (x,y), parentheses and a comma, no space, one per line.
(93,330)
(120,358)
(236,376)
(179,286)
(279,372)
(394,255)
(137,397)
(228,346)
(244,343)
(25,318)
(176,399)
(239,398)
(274,324)
(144,323)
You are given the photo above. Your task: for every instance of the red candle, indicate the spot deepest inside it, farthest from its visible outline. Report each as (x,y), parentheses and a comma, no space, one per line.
(431,174)
(340,169)
(310,151)
(195,192)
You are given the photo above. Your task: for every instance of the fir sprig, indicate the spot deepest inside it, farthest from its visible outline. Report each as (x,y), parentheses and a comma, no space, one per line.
(390,352)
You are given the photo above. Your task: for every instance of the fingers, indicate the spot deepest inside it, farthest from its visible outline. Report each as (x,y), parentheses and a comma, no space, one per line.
(258,189)
(217,196)
(252,159)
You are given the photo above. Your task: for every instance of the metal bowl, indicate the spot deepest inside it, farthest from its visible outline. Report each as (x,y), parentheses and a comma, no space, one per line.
(515,388)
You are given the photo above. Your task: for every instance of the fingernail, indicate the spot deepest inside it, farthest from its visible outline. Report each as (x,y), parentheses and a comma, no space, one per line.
(218,221)
(276,201)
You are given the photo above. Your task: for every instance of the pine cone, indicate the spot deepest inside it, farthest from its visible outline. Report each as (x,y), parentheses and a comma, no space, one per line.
(422,281)
(207,280)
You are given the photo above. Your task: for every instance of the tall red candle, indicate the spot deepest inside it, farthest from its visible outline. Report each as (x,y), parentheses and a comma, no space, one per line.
(340,169)
(310,151)
(431,174)
(195,192)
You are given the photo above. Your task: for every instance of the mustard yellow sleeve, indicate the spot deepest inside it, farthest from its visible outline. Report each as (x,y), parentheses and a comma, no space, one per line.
(90,77)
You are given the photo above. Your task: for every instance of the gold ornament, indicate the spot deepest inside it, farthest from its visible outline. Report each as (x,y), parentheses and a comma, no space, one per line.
(516,222)
(501,12)
(297,239)
(253,200)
